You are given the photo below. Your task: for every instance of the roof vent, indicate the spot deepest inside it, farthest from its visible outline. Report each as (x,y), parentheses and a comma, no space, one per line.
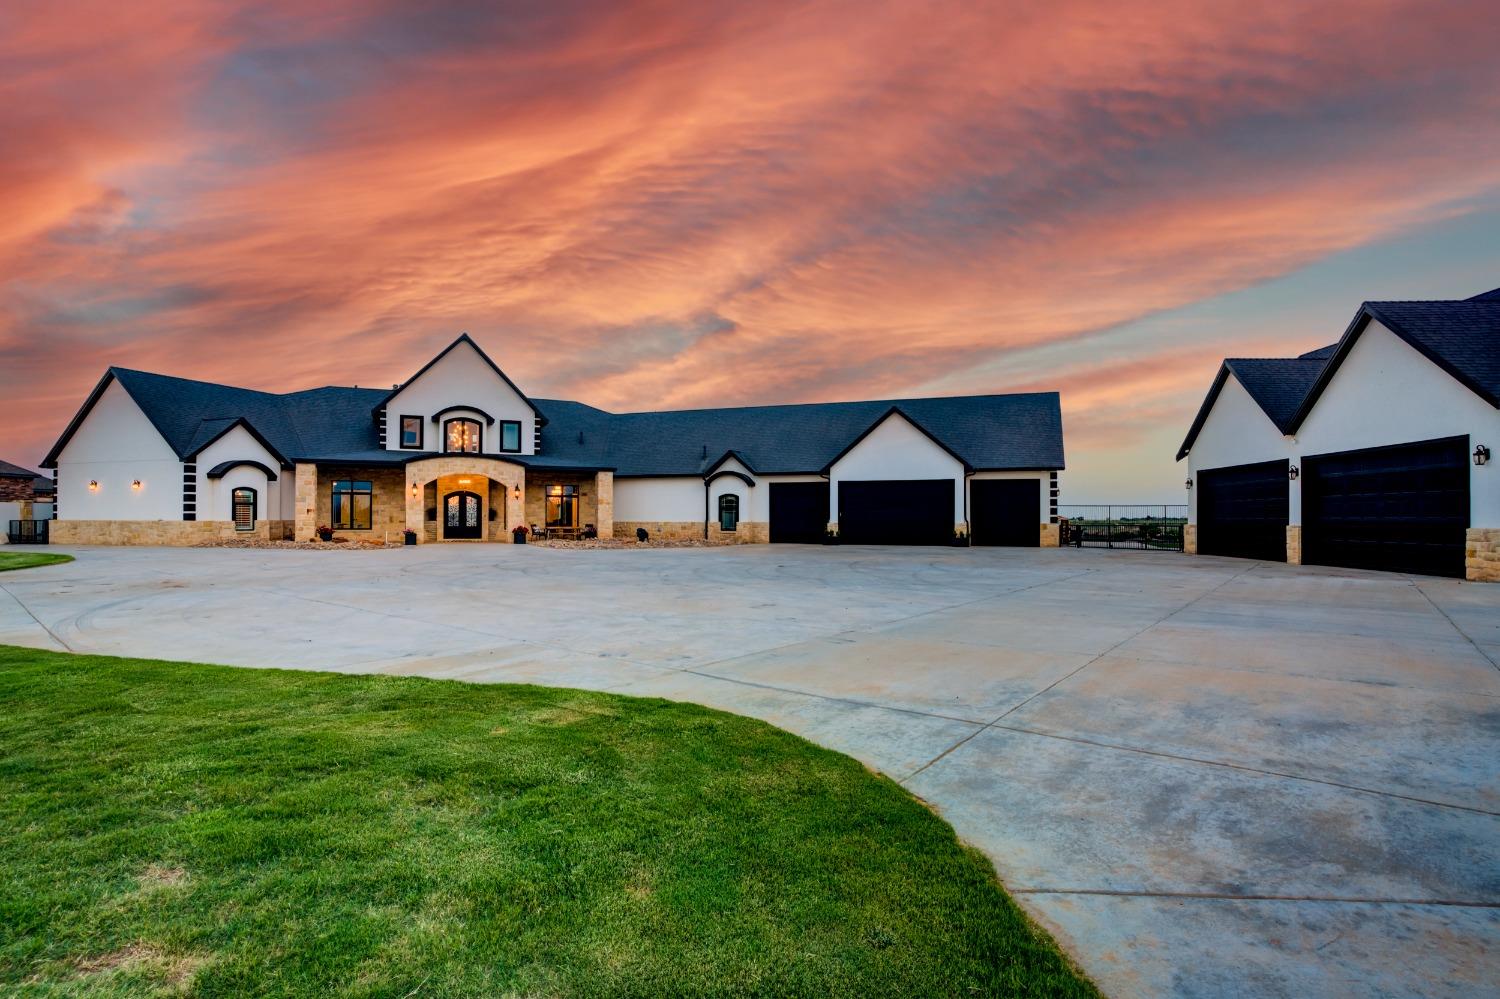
(580,436)
(705,450)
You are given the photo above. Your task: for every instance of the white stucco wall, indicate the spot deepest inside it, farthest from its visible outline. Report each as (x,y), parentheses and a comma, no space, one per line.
(671,499)
(214,495)
(1386,392)
(759,498)
(898,450)
(1044,510)
(115,445)
(1237,432)
(461,378)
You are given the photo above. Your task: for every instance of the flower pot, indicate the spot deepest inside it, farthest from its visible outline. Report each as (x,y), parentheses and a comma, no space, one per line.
(519,539)
(409,538)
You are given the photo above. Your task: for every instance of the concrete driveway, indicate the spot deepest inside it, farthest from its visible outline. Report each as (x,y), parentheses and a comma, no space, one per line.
(1205,776)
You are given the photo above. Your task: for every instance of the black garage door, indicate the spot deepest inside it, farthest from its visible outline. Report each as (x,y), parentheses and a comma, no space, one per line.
(1403,508)
(1242,511)
(1005,512)
(799,512)
(896,512)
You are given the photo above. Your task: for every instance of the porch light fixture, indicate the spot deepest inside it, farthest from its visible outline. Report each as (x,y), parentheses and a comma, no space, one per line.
(1292,472)
(135,484)
(464,482)
(413,490)
(93,485)
(517,493)
(1188,484)
(1481,454)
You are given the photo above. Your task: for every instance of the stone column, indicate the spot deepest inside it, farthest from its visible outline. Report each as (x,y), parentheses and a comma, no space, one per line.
(604,499)
(1294,544)
(1482,555)
(305,521)
(1190,539)
(1051,535)
(415,511)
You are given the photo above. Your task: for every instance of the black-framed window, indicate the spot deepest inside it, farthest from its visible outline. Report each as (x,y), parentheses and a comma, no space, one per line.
(413,433)
(729,512)
(463,436)
(242,505)
(510,435)
(353,505)
(562,506)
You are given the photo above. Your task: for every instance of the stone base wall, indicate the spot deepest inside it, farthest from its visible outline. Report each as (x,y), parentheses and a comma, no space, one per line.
(666,530)
(160,532)
(388,504)
(1294,544)
(748,532)
(588,497)
(1051,535)
(1482,555)
(1190,539)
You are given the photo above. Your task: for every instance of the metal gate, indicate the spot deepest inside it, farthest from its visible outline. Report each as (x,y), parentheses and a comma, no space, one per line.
(1143,528)
(27,532)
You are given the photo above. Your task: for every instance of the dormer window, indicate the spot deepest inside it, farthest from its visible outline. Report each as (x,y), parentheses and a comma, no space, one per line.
(411,433)
(462,436)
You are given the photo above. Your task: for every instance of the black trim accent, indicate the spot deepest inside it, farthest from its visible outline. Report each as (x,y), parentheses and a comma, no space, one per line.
(1204,410)
(500,444)
(259,439)
(463,338)
(401,432)
(224,467)
(894,410)
(729,471)
(489,420)
(83,411)
(732,453)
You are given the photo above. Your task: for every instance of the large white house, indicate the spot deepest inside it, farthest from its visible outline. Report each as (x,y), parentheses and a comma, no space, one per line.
(1374,452)
(459,452)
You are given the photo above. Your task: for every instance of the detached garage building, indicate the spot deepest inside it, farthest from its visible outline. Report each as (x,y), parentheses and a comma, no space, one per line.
(1371,453)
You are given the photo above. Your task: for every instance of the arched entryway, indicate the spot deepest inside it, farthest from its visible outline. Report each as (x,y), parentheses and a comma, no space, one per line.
(463,516)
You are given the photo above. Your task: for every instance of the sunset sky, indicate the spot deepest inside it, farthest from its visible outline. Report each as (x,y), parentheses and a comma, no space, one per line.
(666,205)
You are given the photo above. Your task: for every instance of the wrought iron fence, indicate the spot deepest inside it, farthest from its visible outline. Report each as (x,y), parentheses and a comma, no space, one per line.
(27,532)
(1155,527)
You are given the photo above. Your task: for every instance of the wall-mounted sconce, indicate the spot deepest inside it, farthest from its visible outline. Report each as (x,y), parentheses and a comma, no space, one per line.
(1188,484)
(1481,454)
(517,493)
(413,490)
(135,484)
(1292,471)
(93,485)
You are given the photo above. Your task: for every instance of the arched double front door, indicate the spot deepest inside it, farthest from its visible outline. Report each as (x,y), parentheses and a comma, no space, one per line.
(462,516)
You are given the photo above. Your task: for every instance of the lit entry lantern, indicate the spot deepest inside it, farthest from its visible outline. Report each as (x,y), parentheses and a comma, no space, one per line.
(1292,472)
(135,484)
(1481,454)
(517,493)
(93,485)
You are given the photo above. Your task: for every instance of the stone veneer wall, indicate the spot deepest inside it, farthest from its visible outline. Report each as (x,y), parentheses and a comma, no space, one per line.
(1294,544)
(747,532)
(1482,555)
(1190,539)
(161,532)
(388,510)
(666,530)
(1051,535)
(588,497)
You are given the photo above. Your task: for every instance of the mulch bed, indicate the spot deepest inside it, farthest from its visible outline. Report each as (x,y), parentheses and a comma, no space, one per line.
(627,543)
(336,544)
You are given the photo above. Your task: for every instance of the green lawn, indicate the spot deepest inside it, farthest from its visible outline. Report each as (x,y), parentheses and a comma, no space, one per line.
(28,560)
(176,828)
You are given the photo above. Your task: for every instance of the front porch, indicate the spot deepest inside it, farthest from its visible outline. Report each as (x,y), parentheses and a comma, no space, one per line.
(452,498)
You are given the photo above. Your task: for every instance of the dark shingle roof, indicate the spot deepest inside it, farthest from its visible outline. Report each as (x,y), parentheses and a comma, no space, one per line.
(9,471)
(992,431)
(1277,384)
(332,424)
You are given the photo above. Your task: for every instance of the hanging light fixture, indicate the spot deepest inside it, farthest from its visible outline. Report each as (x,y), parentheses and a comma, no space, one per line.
(1481,454)
(1292,472)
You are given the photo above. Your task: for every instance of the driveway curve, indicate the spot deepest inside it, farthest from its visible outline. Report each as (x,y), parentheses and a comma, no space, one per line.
(1206,777)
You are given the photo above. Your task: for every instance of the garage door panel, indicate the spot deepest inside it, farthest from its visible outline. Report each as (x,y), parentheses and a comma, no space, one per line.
(1403,508)
(1243,511)
(1005,512)
(897,511)
(799,512)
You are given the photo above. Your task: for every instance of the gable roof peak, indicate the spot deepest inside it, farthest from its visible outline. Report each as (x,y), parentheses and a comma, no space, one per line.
(462,339)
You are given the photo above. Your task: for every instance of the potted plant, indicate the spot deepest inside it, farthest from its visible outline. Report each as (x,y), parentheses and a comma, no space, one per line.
(325,533)
(409,536)
(518,534)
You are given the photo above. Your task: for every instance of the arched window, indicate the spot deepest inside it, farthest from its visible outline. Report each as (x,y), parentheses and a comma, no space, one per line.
(729,512)
(242,506)
(462,436)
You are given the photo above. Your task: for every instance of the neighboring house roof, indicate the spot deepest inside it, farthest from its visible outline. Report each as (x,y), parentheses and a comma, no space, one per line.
(333,426)
(9,471)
